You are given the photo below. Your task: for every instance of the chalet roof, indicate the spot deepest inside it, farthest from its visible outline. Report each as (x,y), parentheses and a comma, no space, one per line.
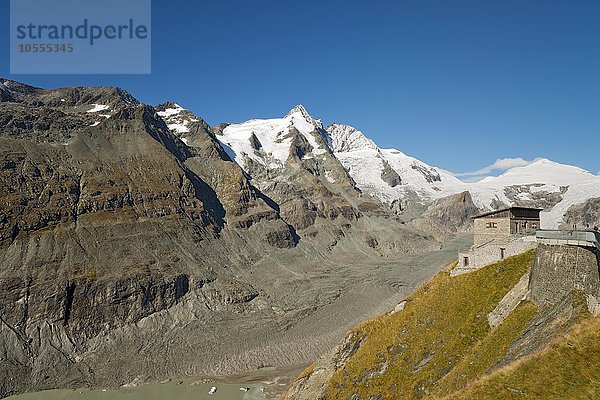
(507,209)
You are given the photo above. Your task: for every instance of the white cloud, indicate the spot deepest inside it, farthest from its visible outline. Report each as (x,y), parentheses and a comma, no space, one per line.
(499,166)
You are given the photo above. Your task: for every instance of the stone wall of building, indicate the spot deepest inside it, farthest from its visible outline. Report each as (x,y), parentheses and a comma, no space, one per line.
(490,253)
(499,234)
(558,270)
(505,231)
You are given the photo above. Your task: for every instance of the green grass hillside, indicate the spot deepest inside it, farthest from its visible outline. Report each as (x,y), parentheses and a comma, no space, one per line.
(440,341)
(567,369)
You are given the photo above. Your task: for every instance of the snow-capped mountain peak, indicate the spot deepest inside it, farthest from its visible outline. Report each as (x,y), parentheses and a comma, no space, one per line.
(386,174)
(266,145)
(542,183)
(299,109)
(299,114)
(539,171)
(268,141)
(389,175)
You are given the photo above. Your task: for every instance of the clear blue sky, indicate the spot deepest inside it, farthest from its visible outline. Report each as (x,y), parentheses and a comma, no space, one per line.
(454,83)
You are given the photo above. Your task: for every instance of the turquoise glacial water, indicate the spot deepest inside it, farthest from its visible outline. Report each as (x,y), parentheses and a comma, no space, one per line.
(153,391)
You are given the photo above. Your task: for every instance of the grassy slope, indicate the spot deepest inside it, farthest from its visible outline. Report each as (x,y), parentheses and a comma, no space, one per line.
(492,348)
(568,369)
(443,326)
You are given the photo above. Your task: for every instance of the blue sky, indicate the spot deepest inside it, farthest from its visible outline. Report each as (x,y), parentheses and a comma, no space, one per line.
(457,84)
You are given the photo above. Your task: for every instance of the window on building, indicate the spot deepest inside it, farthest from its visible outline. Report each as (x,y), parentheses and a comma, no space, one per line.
(502,253)
(466,261)
(524,224)
(491,225)
(534,225)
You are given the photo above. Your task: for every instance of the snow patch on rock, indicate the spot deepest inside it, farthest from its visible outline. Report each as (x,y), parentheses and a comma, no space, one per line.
(169,112)
(176,122)
(97,108)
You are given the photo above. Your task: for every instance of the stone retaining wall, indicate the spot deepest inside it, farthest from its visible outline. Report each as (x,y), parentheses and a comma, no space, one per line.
(558,270)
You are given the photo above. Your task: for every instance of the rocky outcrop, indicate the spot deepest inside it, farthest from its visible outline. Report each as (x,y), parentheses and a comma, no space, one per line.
(454,212)
(431,174)
(585,215)
(312,383)
(510,301)
(448,215)
(389,176)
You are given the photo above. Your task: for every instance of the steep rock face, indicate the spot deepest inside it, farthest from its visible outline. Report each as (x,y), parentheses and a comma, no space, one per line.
(583,215)
(453,212)
(448,215)
(47,183)
(92,216)
(242,204)
(389,176)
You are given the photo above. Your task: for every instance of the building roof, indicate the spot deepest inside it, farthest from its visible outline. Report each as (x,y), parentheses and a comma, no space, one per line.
(507,209)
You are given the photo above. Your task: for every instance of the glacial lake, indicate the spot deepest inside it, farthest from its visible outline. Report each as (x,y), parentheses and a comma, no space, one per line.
(153,391)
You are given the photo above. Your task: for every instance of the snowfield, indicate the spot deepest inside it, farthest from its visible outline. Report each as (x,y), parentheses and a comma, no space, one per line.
(97,108)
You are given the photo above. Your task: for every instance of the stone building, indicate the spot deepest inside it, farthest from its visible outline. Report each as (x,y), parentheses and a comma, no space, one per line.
(500,234)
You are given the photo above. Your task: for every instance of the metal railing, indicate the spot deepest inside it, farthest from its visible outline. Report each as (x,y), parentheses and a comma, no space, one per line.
(584,238)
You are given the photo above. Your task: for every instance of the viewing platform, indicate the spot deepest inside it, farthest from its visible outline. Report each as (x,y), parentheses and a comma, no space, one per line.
(573,238)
